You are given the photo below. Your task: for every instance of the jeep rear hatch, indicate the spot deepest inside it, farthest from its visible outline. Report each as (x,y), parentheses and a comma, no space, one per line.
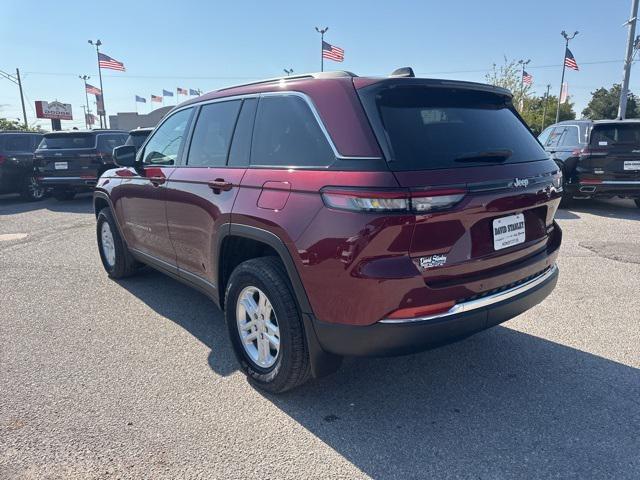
(613,152)
(484,190)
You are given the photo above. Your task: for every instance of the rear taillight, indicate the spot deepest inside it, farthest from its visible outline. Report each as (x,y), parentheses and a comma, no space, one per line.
(425,201)
(2,159)
(423,311)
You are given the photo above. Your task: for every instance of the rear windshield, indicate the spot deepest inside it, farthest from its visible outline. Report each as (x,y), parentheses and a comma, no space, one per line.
(68,140)
(615,134)
(137,138)
(430,128)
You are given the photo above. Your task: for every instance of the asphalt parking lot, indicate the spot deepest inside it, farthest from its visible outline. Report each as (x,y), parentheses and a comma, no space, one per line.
(104,379)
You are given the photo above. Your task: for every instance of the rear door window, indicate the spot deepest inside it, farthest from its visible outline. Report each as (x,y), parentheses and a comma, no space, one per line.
(241,144)
(68,140)
(212,134)
(431,128)
(286,133)
(569,137)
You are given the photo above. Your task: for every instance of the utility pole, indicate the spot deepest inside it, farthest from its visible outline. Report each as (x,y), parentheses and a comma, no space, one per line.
(84,110)
(84,78)
(16,79)
(523,63)
(624,92)
(544,108)
(97,44)
(564,66)
(321,31)
(288,71)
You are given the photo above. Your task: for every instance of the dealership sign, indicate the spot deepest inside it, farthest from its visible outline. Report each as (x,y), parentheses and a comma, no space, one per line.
(54,110)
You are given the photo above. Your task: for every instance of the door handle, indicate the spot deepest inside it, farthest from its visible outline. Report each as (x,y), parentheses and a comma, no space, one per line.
(219,184)
(157,181)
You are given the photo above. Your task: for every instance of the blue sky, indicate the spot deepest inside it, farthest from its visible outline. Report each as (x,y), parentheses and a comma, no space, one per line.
(210,44)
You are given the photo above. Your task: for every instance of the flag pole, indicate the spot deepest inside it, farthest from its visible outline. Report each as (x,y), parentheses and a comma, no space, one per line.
(104,110)
(564,66)
(321,31)
(544,109)
(176,95)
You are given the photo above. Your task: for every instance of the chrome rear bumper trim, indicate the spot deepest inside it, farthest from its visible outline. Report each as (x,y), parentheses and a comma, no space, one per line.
(481,302)
(621,182)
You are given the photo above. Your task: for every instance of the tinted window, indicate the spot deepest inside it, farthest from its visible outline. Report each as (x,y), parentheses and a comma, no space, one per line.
(432,128)
(164,146)
(17,143)
(569,137)
(544,136)
(212,134)
(555,137)
(241,144)
(106,143)
(68,140)
(615,134)
(287,134)
(137,138)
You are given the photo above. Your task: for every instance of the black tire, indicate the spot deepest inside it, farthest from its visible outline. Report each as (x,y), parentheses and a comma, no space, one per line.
(124,265)
(291,367)
(31,190)
(63,195)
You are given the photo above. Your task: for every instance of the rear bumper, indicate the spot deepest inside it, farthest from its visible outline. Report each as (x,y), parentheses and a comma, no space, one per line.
(71,182)
(411,335)
(605,188)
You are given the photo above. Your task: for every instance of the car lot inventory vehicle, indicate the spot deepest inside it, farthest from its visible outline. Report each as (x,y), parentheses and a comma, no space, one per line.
(138,136)
(331,215)
(71,162)
(598,158)
(16,164)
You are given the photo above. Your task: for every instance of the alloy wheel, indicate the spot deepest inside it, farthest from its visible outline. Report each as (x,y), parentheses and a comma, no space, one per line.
(258,327)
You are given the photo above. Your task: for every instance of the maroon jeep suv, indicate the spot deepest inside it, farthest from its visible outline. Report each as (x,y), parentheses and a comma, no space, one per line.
(330,215)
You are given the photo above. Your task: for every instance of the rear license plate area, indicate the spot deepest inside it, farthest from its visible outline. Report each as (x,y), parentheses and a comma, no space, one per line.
(60,166)
(508,231)
(632,165)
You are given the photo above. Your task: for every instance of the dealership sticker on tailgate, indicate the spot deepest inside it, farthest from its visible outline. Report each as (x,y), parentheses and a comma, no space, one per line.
(508,231)
(632,165)
(60,165)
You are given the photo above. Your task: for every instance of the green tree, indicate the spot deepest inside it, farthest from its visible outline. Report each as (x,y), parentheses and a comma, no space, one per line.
(604,104)
(534,110)
(509,76)
(6,124)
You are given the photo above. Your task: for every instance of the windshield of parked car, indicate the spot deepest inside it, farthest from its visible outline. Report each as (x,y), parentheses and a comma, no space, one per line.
(430,128)
(67,140)
(615,134)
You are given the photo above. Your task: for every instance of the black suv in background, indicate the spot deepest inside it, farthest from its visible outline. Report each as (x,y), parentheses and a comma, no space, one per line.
(598,158)
(71,162)
(16,164)
(138,136)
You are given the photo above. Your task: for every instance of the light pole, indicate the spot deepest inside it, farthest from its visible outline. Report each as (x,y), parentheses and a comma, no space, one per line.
(544,108)
(564,66)
(16,79)
(624,91)
(321,31)
(288,71)
(84,78)
(97,44)
(523,63)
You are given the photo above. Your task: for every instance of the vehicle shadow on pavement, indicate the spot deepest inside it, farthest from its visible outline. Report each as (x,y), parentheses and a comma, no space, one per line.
(188,308)
(502,404)
(611,208)
(12,205)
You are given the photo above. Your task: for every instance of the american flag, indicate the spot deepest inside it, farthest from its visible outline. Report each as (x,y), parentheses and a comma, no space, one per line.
(527,77)
(332,52)
(105,61)
(93,90)
(156,98)
(569,61)
(183,91)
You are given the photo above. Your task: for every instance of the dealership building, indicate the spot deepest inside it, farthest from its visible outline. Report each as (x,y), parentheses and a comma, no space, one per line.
(132,120)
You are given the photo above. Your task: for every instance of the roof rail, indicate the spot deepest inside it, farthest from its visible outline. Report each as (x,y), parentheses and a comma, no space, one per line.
(335,74)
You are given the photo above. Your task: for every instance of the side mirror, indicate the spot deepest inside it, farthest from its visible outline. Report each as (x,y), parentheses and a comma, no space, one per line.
(125,156)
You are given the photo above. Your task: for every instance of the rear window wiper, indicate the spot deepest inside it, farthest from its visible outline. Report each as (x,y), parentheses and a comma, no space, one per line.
(487,156)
